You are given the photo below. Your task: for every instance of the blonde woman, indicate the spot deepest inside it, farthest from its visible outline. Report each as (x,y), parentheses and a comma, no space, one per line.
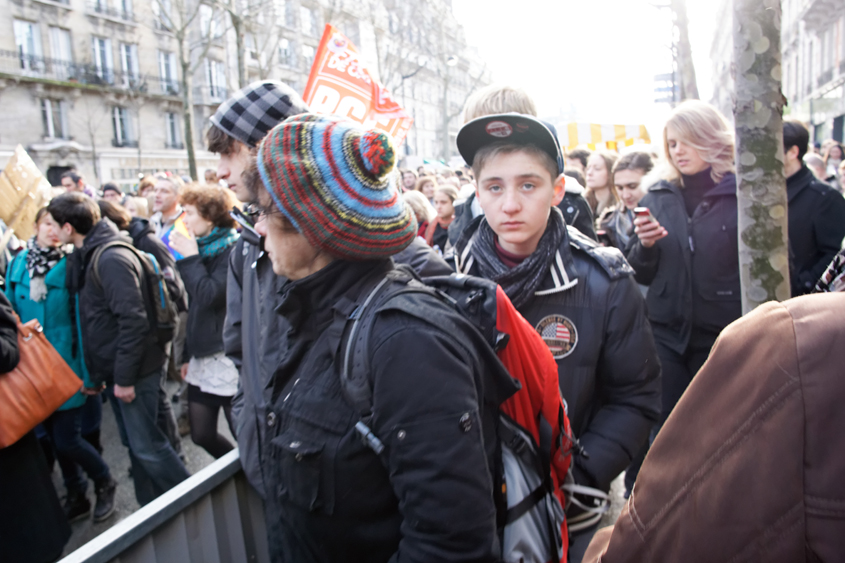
(686,252)
(600,192)
(423,210)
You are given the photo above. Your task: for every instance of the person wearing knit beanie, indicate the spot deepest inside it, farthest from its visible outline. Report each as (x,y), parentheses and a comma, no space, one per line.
(332,181)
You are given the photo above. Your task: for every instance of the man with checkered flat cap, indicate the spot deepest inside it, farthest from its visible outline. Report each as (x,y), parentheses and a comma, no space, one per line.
(252,334)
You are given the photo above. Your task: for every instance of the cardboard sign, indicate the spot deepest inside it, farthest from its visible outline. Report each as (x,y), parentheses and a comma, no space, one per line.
(23,191)
(340,84)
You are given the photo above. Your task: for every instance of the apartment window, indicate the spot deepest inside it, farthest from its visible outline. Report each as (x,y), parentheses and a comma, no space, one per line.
(28,43)
(126,8)
(161,11)
(122,123)
(250,46)
(60,52)
(287,52)
(103,59)
(308,18)
(215,78)
(129,64)
(290,15)
(209,22)
(54,118)
(171,121)
(167,72)
(308,53)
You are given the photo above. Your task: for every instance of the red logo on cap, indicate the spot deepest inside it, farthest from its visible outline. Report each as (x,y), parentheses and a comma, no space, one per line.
(499,129)
(522,128)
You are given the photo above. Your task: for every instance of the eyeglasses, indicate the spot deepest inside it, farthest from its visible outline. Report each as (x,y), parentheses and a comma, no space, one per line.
(257,212)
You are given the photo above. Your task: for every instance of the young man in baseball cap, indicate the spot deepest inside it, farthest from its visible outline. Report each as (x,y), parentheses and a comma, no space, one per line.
(580,297)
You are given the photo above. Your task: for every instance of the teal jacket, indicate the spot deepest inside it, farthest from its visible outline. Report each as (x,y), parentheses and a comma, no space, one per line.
(54,314)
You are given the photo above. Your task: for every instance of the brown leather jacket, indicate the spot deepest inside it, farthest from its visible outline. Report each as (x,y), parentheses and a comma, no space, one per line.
(750,465)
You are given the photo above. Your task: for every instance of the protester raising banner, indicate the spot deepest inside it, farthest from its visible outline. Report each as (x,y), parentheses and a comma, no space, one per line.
(340,84)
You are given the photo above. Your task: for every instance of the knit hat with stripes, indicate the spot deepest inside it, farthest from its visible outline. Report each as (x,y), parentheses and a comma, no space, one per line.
(334,182)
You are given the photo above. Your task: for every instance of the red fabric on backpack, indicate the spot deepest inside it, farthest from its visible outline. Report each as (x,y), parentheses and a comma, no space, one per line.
(529,360)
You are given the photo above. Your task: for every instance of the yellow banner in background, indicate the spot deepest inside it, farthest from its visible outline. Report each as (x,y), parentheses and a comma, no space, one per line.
(597,135)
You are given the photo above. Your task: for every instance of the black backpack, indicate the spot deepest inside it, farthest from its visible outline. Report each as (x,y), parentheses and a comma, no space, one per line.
(161,310)
(529,517)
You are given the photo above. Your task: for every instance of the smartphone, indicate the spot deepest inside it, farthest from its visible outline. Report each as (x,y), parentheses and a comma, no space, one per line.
(643,212)
(603,238)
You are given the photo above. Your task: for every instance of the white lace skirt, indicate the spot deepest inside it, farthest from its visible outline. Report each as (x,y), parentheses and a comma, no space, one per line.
(215,374)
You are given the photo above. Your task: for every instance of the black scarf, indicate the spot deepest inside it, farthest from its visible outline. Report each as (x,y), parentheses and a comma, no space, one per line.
(521,282)
(39,261)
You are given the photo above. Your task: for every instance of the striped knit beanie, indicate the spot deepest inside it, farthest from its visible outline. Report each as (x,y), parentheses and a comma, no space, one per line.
(334,182)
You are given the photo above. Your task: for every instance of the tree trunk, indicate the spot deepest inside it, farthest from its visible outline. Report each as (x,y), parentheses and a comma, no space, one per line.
(689,86)
(188,109)
(761,185)
(446,147)
(238,28)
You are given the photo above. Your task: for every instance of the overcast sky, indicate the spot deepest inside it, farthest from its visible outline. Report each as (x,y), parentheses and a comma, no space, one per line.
(598,55)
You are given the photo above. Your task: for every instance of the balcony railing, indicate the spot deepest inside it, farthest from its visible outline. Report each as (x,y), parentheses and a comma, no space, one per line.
(21,64)
(175,146)
(111,13)
(126,144)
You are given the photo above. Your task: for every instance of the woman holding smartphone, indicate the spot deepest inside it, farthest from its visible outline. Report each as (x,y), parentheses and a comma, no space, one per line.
(686,251)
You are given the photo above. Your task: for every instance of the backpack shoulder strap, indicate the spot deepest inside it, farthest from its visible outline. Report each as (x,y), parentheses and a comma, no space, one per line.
(98,252)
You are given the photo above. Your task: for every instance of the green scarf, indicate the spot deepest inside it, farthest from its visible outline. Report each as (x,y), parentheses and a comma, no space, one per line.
(215,242)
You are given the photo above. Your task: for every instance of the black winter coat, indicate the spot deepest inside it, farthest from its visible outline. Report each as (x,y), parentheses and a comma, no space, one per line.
(331,499)
(693,273)
(592,315)
(145,239)
(816,228)
(9,353)
(117,335)
(255,338)
(205,281)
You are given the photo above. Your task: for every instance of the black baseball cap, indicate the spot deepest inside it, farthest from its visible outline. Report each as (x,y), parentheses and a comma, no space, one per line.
(512,128)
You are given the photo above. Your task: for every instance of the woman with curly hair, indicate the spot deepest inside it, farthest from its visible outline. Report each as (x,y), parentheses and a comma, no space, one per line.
(212,377)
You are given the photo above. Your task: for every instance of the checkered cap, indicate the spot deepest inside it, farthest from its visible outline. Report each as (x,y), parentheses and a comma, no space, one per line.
(255,109)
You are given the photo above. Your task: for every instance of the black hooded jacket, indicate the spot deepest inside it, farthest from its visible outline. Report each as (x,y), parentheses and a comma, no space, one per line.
(592,315)
(816,228)
(117,335)
(429,496)
(693,273)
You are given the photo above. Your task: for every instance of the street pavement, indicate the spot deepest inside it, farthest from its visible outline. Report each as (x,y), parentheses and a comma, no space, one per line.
(117,458)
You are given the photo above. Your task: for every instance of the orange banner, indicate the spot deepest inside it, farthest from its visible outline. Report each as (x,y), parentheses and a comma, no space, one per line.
(340,84)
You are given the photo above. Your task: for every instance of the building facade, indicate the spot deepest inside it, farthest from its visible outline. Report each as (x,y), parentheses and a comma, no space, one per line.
(97,85)
(813,62)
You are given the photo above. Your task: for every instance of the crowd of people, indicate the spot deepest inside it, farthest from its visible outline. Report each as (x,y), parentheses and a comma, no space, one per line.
(623,268)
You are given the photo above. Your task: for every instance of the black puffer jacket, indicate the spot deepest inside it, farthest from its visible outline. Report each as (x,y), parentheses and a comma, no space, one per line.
(205,280)
(693,273)
(816,228)
(592,315)
(144,238)
(330,498)
(117,336)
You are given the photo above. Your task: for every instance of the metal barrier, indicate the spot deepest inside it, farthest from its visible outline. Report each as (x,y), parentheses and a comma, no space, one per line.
(214,516)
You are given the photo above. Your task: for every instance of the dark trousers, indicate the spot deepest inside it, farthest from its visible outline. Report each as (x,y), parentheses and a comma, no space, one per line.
(156,468)
(73,452)
(578,543)
(679,369)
